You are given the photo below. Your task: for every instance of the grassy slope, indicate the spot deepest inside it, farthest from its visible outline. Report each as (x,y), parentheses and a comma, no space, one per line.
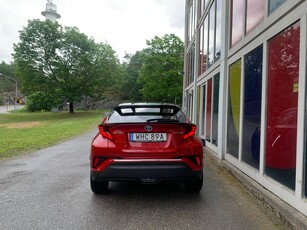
(22,132)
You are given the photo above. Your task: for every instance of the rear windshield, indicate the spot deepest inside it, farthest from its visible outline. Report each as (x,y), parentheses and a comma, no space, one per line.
(154,114)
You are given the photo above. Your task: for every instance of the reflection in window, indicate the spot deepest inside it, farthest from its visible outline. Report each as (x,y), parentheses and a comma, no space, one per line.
(215,112)
(255,13)
(192,19)
(204,111)
(233,125)
(198,109)
(237,15)
(252,107)
(274,4)
(203,46)
(218,30)
(211,35)
(191,60)
(282,102)
(203,4)
(209,110)
(205,43)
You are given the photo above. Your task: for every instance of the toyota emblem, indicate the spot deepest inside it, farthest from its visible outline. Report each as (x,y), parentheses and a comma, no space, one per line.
(148,128)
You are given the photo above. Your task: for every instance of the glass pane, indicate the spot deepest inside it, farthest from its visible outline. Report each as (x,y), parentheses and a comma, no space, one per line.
(237,14)
(211,35)
(198,110)
(205,49)
(233,125)
(204,111)
(201,49)
(255,13)
(209,110)
(215,115)
(274,4)
(281,130)
(218,30)
(252,107)
(191,61)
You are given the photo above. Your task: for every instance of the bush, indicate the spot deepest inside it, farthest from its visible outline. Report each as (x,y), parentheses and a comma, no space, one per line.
(40,101)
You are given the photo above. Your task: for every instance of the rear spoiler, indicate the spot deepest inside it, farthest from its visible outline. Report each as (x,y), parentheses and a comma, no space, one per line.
(162,110)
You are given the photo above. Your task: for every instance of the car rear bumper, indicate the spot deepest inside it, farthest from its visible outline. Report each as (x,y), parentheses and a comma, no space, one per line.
(146,172)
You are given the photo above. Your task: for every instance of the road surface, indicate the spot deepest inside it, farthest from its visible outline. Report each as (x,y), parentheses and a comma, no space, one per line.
(49,189)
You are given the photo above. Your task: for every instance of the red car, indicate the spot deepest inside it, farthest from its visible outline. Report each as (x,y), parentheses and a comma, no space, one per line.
(148,143)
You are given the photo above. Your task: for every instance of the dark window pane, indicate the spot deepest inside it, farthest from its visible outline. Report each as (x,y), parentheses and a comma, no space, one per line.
(255,13)
(201,49)
(281,130)
(204,110)
(215,115)
(233,125)
(205,49)
(252,107)
(198,110)
(237,15)
(218,30)
(211,35)
(209,110)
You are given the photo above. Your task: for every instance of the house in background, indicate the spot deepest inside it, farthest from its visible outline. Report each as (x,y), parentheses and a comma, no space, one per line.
(245,88)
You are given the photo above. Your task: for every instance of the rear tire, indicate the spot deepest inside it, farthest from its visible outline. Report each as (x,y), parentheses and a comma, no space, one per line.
(99,187)
(194,186)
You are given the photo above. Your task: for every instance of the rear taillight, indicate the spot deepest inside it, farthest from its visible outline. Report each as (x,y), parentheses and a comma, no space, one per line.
(190,131)
(104,132)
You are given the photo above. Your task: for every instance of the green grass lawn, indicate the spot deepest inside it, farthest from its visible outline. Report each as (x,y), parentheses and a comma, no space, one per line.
(23,132)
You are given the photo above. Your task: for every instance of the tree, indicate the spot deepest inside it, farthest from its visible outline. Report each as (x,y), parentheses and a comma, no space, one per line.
(63,63)
(7,86)
(132,68)
(159,77)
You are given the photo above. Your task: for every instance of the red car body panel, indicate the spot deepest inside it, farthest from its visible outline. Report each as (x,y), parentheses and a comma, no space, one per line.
(116,156)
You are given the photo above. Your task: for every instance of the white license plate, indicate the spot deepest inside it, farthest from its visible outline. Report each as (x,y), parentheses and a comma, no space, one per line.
(147,137)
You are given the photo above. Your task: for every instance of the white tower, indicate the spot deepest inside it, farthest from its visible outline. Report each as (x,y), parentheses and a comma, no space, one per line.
(51,11)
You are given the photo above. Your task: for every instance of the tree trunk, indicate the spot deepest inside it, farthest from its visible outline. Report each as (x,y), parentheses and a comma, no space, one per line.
(71,107)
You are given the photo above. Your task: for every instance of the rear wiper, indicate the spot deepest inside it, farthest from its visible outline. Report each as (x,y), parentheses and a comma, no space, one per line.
(163,120)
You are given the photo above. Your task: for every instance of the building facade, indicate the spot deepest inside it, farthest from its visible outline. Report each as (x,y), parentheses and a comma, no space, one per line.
(245,88)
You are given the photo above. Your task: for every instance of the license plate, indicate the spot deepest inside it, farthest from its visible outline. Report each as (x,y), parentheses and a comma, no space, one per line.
(147,137)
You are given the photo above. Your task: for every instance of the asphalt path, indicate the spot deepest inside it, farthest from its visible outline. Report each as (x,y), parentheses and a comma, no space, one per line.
(8,108)
(49,189)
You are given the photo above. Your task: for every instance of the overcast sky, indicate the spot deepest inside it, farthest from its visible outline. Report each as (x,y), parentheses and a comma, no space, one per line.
(124,24)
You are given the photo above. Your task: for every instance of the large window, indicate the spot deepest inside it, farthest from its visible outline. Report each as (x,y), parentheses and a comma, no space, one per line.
(211,109)
(190,67)
(202,130)
(252,107)
(191,19)
(255,13)
(215,108)
(218,31)
(282,102)
(210,37)
(237,17)
(203,47)
(245,12)
(233,123)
